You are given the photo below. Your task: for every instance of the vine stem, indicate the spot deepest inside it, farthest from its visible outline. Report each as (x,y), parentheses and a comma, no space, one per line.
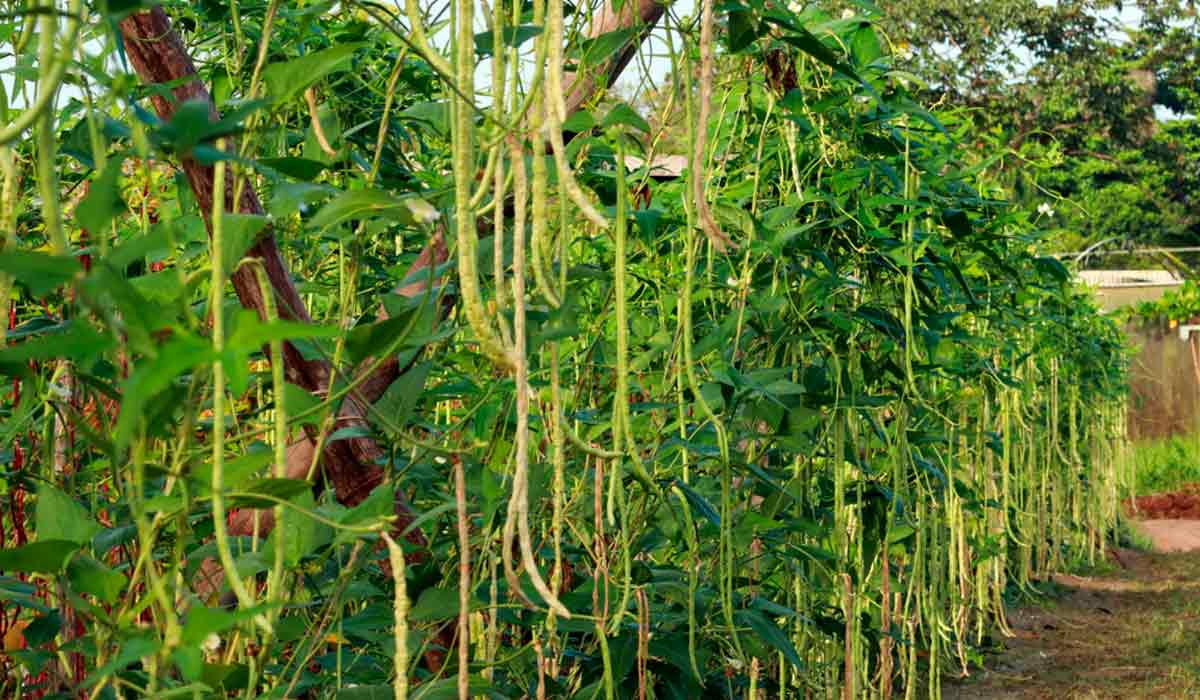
(216,300)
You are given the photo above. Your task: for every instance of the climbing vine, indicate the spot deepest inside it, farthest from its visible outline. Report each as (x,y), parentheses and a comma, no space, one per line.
(789,421)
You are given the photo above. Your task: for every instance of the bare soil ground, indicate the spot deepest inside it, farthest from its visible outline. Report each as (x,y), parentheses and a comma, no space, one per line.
(1130,632)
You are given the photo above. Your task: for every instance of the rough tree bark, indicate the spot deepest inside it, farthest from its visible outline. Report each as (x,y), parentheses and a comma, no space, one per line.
(641,15)
(159,57)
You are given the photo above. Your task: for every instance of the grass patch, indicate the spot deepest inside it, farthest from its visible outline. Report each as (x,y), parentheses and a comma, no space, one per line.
(1165,464)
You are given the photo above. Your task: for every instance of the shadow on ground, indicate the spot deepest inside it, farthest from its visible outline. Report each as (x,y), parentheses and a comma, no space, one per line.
(1132,633)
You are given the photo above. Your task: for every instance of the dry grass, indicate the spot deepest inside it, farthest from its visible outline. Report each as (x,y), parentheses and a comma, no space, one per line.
(1132,633)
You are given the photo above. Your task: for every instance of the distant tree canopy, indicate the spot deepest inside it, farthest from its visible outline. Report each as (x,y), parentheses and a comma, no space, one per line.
(1075,104)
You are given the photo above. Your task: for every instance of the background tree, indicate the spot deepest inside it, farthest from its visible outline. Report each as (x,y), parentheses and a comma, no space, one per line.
(1103,111)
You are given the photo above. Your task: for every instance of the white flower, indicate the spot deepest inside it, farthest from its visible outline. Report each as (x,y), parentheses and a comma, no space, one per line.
(847,13)
(795,7)
(1045,209)
(212,643)
(731,281)
(440,459)
(904,52)
(422,211)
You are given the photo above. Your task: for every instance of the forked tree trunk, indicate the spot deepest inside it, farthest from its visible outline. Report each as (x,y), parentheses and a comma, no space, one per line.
(159,57)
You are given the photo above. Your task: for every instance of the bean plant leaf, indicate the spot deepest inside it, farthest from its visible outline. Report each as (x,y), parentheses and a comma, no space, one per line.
(360,204)
(770,633)
(87,575)
(103,201)
(40,273)
(284,81)
(623,114)
(266,493)
(60,517)
(41,557)
(509,37)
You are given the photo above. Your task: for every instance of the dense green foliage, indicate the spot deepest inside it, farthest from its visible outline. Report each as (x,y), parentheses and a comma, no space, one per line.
(1090,101)
(813,462)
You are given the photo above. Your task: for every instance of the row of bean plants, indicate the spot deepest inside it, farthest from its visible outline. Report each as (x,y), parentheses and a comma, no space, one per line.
(793,422)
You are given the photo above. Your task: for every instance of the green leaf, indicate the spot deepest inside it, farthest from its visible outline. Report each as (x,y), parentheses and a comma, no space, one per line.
(251,496)
(238,470)
(510,37)
(806,41)
(579,122)
(864,45)
(76,341)
(379,504)
(299,168)
(43,629)
(40,273)
(699,503)
(447,689)
(435,604)
(599,49)
(240,232)
(304,534)
(367,692)
(202,621)
(103,201)
(623,114)
(770,633)
(298,401)
(181,353)
(41,557)
(400,399)
(433,114)
(60,517)
(252,333)
(360,204)
(87,575)
(743,30)
(286,80)
(132,649)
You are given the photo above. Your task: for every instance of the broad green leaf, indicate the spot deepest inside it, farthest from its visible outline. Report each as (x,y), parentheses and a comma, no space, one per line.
(132,649)
(400,399)
(43,628)
(238,471)
(103,201)
(299,168)
(155,241)
(40,273)
(304,534)
(623,114)
(250,496)
(299,401)
(76,340)
(152,376)
(864,45)
(367,692)
(251,333)
(769,632)
(379,504)
(240,232)
(87,575)
(60,517)
(434,604)
(447,689)
(286,80)
(43,557)
(510,37)
(699,503)
(359,204)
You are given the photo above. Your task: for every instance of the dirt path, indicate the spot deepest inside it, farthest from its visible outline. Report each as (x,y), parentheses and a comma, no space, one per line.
(1129,633)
